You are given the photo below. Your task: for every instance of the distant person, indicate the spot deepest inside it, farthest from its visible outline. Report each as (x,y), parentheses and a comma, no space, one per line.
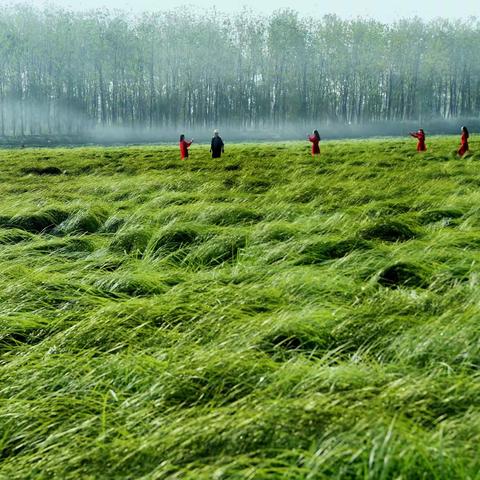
(184,146)
(420,136)
(217,146)
(315,139)
(464,145)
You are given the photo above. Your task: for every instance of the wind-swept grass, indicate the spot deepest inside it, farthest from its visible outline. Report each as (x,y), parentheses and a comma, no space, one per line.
(266,315)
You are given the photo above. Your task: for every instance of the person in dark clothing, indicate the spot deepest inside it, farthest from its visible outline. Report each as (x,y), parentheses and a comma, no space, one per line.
(217,146)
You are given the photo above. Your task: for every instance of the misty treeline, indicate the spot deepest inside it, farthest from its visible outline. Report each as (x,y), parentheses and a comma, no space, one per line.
(63,72)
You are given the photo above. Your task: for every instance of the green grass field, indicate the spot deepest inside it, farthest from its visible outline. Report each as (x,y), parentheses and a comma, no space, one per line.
(262,316)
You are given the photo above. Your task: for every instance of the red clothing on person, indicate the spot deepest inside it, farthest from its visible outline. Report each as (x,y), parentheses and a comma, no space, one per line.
(464,146)
(420,136)
(184,146)
(315,144)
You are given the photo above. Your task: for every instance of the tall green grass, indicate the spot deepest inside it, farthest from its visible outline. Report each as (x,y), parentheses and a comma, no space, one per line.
(266,315)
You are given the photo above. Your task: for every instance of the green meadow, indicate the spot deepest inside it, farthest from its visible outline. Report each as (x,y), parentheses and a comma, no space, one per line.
(262,316)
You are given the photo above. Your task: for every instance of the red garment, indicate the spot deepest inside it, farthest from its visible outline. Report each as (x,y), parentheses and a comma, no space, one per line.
(464,146)
(184,146)
(421,147)
(315,144)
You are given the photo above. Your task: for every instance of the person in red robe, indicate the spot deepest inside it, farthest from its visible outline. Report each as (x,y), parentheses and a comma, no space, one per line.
(464,146)
(184,146)
(420,136)
(315,139)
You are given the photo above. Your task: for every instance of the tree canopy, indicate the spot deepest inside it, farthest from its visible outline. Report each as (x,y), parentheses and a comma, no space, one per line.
(62,72)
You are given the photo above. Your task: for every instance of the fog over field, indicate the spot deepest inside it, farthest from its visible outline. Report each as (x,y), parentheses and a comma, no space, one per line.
(104,76)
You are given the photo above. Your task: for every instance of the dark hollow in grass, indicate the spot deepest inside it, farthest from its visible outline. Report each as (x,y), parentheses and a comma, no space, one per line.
(73,245)
(220,383)
(432,216)
(87,168)
(174,238)
(110,265)
(42,171)
(22,330)
(402,274)
(255,185)
(131,241)
(230,182)
(304,195)
(389,209)
(388,231)
(321,251)
(38,222)
(232,167)
(13,236)
(286,341)
(12,340)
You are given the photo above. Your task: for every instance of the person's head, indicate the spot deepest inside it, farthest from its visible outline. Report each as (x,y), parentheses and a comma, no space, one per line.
(215,133)
(421,131)
(465,130)
(317,135)
(182,137)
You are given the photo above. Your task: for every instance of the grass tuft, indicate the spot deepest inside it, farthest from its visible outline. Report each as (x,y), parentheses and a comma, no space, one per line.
(83,221)
(13,236)
(131,241)
(227,216)
(217,250)
(320,251)
(388,231)
(173,238)
(38,222)
(113,224)
(432,216)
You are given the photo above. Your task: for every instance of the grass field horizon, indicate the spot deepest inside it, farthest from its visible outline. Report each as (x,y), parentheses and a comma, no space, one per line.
(266,315)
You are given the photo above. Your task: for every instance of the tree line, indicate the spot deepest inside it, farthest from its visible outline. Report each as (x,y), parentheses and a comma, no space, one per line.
(64,72)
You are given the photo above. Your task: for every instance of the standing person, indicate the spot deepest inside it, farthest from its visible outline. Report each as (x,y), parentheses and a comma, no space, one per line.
(315,139)
(464,146)
(217,146)
(420,136)
(184,146)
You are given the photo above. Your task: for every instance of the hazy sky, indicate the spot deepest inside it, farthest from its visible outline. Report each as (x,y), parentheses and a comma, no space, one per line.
(381,9)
